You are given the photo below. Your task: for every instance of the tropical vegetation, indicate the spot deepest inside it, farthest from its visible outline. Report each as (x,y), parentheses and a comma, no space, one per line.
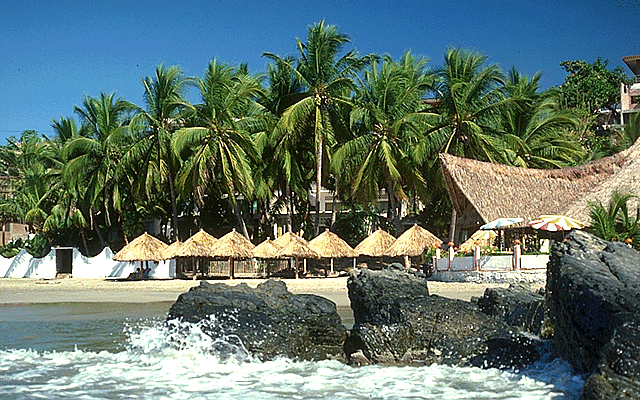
(256,148)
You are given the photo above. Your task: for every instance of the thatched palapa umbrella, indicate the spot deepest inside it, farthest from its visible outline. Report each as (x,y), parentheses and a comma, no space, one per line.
(197,247)
(412,243)
(267,250)
(297,250)
(288,237)
(328,245)
(143,248)
(375,244)
(233,246)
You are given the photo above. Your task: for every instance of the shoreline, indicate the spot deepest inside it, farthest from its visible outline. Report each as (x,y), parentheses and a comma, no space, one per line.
(31,290)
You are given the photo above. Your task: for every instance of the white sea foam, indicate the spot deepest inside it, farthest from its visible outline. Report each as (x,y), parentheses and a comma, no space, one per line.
(175,361)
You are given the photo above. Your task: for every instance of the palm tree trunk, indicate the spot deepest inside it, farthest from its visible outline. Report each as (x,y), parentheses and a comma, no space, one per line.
(288,205)
(393,208)
(84,242)
(174,207)
(452,225)
(236,210)
(96,228)
(318,184)
(333,209)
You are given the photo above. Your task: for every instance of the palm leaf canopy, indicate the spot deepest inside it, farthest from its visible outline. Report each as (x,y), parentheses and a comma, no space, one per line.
(199,245)
(233,245)
(267,249)
(297,249)
(143,248)
(413,242)
(375,244)
(329,245)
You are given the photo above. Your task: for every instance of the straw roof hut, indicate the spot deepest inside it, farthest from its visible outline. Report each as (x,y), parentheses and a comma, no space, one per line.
(329,245)
(286,238)
(626,180)
(267,249)
(482,192)
(233,245)
(296,249)
(470,244)
(199,245)
(143,248)
(170,251)
(413,242)
(375,244)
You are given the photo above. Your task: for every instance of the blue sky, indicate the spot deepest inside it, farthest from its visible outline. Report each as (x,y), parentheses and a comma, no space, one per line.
(54,53)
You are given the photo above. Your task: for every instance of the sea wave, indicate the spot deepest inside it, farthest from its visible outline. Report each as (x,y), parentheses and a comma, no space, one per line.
(178,361)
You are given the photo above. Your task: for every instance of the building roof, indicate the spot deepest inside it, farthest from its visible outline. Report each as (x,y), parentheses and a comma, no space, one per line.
(496,190)
(633,62)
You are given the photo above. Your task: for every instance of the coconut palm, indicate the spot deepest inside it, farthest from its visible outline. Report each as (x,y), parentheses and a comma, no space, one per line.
(220,148)
(92,172)
(466,122)
(154,161)
(389,119)
(536,131)
(327,79)
(615,221)
(283,172)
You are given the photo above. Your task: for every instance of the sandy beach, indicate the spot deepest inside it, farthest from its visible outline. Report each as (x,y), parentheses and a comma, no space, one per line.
(25,290)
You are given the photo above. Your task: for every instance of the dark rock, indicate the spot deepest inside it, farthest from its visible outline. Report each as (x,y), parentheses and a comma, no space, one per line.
(266,322)
(593,298)
(517,305)
(397,322)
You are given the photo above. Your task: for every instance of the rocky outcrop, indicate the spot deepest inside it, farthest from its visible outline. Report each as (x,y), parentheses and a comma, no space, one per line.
(265,322)
(397,321)
(593,295)
(517,305)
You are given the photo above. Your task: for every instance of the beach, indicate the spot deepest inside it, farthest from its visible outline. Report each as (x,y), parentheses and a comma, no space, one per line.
(27,290)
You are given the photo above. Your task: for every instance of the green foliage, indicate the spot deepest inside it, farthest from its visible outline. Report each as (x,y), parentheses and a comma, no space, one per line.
(615,222)
(354,225)
(592,84)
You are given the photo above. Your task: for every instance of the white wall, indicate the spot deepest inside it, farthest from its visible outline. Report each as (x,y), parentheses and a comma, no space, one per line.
(24,265)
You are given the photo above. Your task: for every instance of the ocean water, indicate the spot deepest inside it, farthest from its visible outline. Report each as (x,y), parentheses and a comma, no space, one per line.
(126,351)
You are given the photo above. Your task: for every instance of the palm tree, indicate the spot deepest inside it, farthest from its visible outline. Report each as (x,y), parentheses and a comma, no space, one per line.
(536,132)
(151,154)
(92,172)
(220,149)
(285,161)
(328,82)
(388,115)
(467,119)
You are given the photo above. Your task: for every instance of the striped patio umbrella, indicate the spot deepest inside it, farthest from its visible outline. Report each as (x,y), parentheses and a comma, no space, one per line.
(484,235)
(500,223)
(555,223)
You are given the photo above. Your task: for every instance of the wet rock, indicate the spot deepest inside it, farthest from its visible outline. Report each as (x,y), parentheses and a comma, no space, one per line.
(398,322)
(266,322)
(517,305)
(593,295)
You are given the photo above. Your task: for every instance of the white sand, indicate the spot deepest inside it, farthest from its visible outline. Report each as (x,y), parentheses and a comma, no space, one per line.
(25,290)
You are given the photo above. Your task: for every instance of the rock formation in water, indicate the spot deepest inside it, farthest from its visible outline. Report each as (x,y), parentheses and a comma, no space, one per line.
(269,321)
(397,321)
(517,305)
(593,295)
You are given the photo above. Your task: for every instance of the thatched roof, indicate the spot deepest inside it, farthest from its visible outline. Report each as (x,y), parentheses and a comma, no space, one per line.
(496,190)
(626,180)
(170,251)
(266,249)
(143,248)
(412,242)
(297,249)
(233,245)
(469,245)
(329,245)
(288,237)
(199,245)
(375,244)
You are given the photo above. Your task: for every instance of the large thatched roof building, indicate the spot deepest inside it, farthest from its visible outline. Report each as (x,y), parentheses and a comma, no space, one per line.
(482,192)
